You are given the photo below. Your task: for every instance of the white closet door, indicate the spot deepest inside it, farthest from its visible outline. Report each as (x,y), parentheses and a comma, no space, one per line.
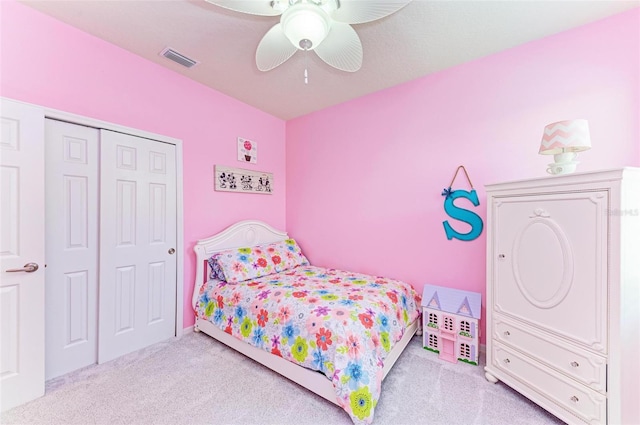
(137,243)
(71,247)
(21,244)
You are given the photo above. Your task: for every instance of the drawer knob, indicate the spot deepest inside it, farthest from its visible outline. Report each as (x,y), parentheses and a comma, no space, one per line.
(507,333)
(507,361)
(501,256)
(575,364)
(575,399)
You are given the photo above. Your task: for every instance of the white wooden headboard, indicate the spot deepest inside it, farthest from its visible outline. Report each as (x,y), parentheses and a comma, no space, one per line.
(243,233)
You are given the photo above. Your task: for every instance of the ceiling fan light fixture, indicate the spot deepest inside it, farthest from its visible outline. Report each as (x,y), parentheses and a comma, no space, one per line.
(305,25)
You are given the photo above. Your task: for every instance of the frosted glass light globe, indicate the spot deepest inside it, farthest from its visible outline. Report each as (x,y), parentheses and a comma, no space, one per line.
(305,25)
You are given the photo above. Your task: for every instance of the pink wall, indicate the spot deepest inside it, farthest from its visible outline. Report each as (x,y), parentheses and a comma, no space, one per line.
(46,62)
(374,204)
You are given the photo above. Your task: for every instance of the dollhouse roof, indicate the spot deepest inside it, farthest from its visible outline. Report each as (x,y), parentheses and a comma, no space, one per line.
(449,300)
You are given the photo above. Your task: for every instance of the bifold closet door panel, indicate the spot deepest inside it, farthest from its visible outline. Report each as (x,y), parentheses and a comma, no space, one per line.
(137,243)
(71,246)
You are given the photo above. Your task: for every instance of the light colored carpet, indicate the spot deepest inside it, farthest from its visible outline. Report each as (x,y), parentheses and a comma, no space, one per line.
(197,380)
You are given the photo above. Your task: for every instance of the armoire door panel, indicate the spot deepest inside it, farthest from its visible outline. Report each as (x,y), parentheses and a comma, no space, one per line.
(22,293)
(138,229)
(547,264)
(72,246)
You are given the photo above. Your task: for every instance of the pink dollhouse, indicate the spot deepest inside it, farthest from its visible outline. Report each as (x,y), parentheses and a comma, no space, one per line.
(450,323)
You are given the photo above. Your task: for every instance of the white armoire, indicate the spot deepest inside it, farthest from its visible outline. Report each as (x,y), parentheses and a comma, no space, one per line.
(563,284)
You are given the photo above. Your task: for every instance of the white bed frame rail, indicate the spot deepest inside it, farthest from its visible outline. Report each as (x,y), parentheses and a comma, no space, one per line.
(249,233)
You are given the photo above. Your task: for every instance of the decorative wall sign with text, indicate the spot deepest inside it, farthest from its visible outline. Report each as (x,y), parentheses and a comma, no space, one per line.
(228,179)
(461,214)
(247,150)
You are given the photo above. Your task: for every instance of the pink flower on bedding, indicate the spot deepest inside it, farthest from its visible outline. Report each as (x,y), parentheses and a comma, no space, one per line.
(313,325)
(284,314)
(366,320)
(312,300)
(235,298)
(340,314)
(220,301)
(262,262)
(276,259)
(263,318)
(374,342)
(353,346)
(323,339)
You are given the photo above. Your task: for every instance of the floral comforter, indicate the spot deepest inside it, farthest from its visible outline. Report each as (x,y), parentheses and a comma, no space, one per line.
(339,323)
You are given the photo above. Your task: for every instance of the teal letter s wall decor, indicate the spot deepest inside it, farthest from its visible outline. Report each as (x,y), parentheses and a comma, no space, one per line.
(462,214)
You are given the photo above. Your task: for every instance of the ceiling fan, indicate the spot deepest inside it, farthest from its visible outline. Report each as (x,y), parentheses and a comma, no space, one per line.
(323,26)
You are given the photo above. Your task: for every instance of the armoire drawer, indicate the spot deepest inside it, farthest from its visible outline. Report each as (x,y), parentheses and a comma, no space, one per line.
(588,405)
(581,365)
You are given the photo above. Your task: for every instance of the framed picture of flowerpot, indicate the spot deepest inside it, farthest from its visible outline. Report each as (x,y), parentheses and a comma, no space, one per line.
(247,150)
(228,179)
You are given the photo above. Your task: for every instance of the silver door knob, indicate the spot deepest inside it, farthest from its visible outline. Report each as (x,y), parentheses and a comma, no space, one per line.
(172,251)
(28,268)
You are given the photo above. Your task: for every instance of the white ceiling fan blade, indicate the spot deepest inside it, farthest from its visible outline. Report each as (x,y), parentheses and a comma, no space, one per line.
(253,7)
(359,12)
(274,49)
(342,48)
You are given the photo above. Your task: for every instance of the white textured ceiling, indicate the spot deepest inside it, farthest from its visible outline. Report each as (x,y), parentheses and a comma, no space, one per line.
(424,37)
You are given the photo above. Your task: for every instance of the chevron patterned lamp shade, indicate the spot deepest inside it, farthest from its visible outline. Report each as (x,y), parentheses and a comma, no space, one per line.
(563,139)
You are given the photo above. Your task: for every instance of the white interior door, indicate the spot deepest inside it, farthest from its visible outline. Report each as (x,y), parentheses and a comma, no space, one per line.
(21,248)
(138,214)
(71,163)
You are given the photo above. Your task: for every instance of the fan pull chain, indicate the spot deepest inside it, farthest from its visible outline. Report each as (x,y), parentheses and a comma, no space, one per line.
(306,62)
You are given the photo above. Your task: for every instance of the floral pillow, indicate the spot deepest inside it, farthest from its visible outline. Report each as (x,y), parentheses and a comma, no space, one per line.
(286,255)
(216,270)
(242,264)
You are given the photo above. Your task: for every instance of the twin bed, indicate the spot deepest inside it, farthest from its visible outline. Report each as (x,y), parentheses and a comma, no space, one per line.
(335,333)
